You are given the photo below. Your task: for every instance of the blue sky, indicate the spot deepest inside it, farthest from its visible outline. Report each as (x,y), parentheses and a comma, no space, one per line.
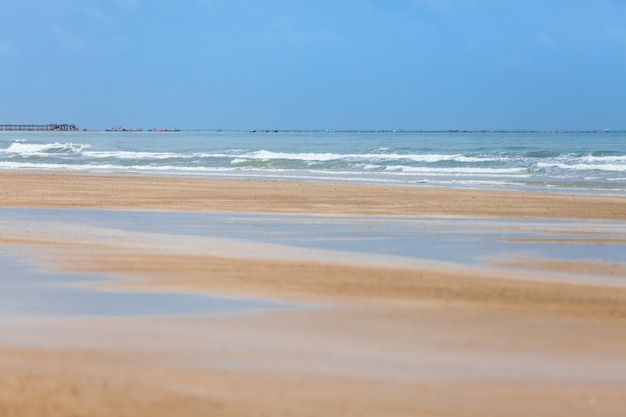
(316,64)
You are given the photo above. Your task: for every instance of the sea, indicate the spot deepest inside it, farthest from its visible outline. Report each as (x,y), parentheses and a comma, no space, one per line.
(590,162)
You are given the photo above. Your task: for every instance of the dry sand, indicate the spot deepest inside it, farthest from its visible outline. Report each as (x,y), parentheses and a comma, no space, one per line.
(390,342)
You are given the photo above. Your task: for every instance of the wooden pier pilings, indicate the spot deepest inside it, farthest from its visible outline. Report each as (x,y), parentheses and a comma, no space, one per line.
(40,128)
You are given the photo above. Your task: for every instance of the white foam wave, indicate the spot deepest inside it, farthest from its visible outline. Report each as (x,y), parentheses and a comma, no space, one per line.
(607,159)
(584,167)
(238,156)
(368,167)
(268,155)
(323,157)
(50,149)
(9,165)
(128,155)
(466,170)
(33,149)
(235,164)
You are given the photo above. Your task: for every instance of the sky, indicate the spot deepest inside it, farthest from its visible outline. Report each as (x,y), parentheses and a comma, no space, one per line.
(314,64)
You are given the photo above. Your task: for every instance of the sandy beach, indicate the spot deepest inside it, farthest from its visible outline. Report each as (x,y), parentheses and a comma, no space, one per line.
(195,194)
(369,340)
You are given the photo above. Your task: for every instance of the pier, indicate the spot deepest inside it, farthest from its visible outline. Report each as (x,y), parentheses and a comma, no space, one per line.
(40,128)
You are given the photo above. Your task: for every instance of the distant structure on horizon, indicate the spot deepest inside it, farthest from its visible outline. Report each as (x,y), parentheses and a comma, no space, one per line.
(40,128)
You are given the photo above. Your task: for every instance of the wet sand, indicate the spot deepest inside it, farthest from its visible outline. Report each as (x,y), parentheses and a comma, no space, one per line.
(195,194)
(379,340)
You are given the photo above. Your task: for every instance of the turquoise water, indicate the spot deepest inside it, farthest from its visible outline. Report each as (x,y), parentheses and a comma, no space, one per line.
(589,162)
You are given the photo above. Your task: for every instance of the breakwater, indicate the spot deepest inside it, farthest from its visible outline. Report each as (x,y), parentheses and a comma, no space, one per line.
(38,128)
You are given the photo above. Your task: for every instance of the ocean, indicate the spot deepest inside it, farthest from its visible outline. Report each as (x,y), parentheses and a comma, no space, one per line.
(581,162)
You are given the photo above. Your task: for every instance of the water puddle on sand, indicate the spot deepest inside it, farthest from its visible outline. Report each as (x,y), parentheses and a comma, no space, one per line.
(26,291)
(460,240)
(502,244)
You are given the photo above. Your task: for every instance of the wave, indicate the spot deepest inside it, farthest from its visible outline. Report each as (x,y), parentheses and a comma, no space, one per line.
(588,157)
(394,168)
(381,157)
(133,155)
(390,161)
(464,171)
(322,157)
(238,155)
(106,167)
(584,167)
(594,159)
(30,149)
(541,154)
